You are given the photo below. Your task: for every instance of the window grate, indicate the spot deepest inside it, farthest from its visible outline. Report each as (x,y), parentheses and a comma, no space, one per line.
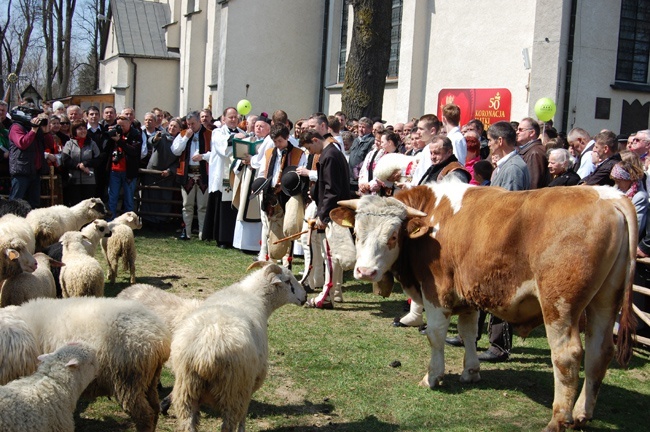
(634,42)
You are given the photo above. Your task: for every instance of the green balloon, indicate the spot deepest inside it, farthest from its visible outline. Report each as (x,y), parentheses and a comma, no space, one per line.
(545,109)
(244,107)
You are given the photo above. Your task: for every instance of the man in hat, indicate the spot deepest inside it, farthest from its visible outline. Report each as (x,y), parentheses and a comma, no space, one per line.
(274,163)
(333,185)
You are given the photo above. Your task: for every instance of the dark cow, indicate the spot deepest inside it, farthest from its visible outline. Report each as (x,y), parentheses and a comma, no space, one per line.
(536,257)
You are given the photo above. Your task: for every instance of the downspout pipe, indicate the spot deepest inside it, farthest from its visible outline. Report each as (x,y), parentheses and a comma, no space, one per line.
(323,60)
(135,80)
(569,67)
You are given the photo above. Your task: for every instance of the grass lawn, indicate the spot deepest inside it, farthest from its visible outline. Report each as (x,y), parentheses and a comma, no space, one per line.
(331,370)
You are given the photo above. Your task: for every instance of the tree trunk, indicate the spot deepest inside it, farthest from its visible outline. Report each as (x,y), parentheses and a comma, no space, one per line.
(67,38)
(367,64)
(3,33)
(48,32)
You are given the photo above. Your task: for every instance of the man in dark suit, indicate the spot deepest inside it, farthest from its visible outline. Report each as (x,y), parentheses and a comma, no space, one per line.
(533,152)
(605,155)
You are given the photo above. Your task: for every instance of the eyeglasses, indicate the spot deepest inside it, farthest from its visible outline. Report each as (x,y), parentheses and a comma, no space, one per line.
(523,129)
(639,140)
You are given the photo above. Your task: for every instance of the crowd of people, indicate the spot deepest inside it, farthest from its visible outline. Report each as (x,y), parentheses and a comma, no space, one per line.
(289,171)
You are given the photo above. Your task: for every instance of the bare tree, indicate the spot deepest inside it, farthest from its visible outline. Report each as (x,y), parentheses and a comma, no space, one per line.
(3,32)
(64,13)
(367,64)
(48,33)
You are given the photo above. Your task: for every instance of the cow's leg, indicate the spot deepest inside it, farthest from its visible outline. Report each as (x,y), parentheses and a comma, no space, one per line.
(566,354)
(437,325)
(599,350)
(468,331)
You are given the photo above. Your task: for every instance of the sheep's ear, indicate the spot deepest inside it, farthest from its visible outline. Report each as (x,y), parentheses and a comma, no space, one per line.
(258,264)
(272,273)
(55,263)
(73,363)
(85,241)
(129,219)
(42,357)
(12,254)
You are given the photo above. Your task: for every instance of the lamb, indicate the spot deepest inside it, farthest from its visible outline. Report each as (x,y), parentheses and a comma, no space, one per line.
(171,308)
(121,245)
(46,400)
(15,258)
(50,223)
(12,226)
(19,349)
(26,286)
(220,351)
(132,345)
(391,162)
(82,274)
(93,232)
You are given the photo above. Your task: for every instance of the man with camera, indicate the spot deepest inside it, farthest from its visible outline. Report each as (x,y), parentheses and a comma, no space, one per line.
(123,145)
(28,138)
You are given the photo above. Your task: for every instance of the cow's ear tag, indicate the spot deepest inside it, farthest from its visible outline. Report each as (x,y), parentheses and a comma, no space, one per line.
(347,222)
(416,227)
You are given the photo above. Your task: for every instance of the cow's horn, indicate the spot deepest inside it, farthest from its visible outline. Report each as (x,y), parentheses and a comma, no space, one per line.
(351,204)
(411,212)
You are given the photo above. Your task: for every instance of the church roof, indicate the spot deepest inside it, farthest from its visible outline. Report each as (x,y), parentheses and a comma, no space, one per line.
(139,28)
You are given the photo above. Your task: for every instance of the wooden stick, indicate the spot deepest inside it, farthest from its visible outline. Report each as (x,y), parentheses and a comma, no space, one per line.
(291,237)
(149,171)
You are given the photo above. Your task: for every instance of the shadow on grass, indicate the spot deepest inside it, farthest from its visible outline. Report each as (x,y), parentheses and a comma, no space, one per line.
(162,282)
(370,423)
(613,406)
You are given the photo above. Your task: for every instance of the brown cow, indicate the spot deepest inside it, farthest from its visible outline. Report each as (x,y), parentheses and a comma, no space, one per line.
(536,257)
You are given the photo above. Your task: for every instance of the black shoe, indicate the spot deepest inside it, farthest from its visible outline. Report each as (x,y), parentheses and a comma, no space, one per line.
(183,236)
(398,323)
(491,357)
(423,329)
(308,289)
(456,341)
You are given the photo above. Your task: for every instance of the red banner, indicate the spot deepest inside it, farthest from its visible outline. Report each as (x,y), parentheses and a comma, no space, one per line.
(487,105)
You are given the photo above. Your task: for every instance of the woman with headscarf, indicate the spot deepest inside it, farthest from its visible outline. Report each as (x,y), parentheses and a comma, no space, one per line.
(628,178)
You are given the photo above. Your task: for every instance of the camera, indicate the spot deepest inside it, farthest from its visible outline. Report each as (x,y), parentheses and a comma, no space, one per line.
(116,131)
(43,122)
(117,155)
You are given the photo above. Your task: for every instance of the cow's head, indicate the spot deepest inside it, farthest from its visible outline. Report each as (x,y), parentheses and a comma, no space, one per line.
(379,225)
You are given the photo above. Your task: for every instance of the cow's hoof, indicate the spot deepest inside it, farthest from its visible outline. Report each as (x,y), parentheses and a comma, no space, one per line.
(580,422)
(432,384)
(470,376)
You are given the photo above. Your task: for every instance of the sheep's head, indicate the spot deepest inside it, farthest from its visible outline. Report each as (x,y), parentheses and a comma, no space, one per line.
(16,258)
(281,285)
(95,207)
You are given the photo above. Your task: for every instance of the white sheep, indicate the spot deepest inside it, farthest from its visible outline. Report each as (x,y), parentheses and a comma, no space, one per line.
(50,223)
(82,274)
(19,348)
(46,400)
(219,352)
(391,162)
(15,258)
(171,308)
(26,286)
(132,345)
(12,226)
(121,244)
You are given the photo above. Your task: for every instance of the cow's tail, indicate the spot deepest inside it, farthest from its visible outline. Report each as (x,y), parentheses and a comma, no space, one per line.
(627,321)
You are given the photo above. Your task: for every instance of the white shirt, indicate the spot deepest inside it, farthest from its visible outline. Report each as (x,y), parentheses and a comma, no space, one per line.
(459,143)
(586,164)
